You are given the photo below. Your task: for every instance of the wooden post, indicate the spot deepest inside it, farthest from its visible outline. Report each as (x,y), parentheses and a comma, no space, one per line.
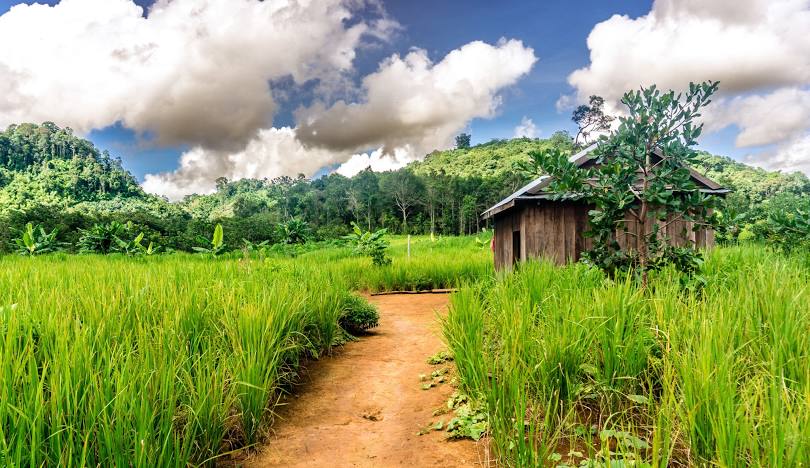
(409,246)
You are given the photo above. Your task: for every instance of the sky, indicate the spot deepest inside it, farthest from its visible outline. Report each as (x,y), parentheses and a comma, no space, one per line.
(185,91)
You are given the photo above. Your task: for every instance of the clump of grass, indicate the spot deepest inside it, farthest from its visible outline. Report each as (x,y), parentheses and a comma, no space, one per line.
(358,315)
(670,375)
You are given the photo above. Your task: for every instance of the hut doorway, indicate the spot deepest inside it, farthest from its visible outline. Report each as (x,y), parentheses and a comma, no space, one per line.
(515,247)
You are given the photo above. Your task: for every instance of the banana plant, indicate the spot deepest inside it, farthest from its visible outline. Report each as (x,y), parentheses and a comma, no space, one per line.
(135,246)
(35,241)
(260,248)
(370,243)
(217,243)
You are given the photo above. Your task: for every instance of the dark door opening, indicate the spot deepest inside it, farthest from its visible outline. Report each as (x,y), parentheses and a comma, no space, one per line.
(515,247)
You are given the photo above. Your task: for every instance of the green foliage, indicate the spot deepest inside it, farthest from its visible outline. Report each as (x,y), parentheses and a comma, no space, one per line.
(789,230)
(135,246)
(48,176)
(629,179)
(35,240)
(293,231)
(217,243)
(370,244)
(358,315)
(440,358)
(101,238)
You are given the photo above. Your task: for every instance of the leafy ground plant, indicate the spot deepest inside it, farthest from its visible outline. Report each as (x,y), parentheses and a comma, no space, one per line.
(370,244)
(358,315)
(35,240)
(101,238)
(217,243)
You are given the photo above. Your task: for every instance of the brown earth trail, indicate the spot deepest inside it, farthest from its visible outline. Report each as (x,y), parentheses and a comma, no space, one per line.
(364,407)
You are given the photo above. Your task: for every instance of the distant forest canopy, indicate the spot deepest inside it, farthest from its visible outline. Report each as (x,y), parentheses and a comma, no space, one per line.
(51,177)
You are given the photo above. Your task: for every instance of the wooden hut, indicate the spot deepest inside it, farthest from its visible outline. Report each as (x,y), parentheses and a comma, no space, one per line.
(530,223)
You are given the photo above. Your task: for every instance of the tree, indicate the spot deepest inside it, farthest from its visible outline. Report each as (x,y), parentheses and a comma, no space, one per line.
(405,189)
(628,178)
(590,118)
(463,141)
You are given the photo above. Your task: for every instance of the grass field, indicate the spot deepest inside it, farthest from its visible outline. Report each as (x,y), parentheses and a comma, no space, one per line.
(177,359)
(575,369)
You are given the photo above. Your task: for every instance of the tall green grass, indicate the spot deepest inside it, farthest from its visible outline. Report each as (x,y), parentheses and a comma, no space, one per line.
(575,366)
(175,360)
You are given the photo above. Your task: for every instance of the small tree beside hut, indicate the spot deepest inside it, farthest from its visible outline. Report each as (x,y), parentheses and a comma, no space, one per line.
(639,181)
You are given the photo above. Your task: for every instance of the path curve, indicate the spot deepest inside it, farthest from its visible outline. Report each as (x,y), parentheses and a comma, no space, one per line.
(364,407)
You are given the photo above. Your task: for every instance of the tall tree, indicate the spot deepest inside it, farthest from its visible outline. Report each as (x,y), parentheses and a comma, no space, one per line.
(463,141)
(591,119)
(405,189)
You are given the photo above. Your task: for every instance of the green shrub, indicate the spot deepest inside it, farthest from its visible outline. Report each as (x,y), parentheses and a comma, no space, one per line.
(101,238)
(359,315)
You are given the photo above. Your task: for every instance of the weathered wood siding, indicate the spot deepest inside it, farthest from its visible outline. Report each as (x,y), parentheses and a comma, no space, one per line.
(556,231)
(679,232)
(505,224)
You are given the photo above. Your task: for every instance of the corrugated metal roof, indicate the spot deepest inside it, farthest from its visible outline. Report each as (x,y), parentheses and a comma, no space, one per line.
(534,187)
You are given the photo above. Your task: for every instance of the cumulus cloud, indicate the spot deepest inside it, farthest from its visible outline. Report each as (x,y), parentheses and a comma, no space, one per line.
(411,101)
(526,129)
(793,155)
(273,152)
(764,119)
(759,50)
(409,107)
(377,161)
(746,44)
(191,71)
(199,73)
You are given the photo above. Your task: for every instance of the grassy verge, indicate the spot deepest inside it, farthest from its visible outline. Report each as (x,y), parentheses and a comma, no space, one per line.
(578,369)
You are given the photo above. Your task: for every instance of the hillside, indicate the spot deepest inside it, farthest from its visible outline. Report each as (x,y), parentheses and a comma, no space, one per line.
(497,159)
(44,165)
(51,177)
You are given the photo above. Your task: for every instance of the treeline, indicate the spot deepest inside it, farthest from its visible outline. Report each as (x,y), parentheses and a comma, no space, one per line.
(50,177)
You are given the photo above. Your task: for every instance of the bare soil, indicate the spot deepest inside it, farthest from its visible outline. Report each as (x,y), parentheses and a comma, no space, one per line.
(364,406)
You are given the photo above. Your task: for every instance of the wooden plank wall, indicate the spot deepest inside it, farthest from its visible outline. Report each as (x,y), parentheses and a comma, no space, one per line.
(556,231)
(680,233)
(505,224)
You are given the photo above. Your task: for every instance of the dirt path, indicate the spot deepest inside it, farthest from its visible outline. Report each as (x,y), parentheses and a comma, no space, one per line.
(364,407)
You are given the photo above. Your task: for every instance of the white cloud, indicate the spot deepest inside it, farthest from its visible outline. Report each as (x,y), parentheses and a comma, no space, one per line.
(759,50)
(377,160)
(197,73)
(526,129)
(788,157)
(412,101)
(764,119)
(273,152)
(411,107)
(192,71)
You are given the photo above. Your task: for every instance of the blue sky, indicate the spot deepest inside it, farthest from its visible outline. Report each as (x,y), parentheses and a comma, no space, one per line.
(642,45)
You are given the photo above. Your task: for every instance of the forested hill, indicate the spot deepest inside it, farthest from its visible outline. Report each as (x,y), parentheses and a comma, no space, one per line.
(48,165)
(51,177)
(498,159)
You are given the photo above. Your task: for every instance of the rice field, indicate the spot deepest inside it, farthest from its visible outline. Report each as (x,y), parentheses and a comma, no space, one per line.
(179,359)
(576,369)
